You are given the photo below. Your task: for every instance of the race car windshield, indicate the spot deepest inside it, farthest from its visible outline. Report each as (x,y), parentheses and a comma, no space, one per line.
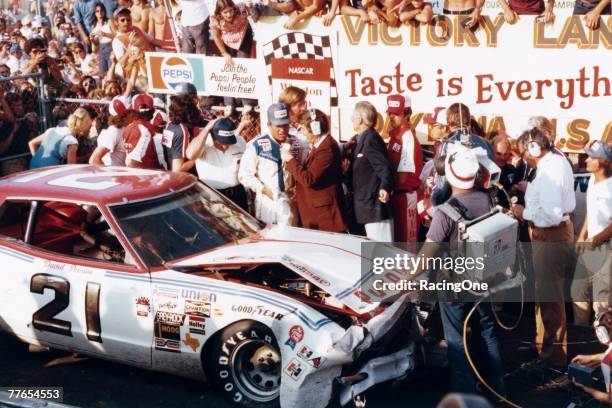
(182,224)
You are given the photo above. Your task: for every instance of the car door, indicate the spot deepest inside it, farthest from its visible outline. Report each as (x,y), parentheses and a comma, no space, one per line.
(77,302)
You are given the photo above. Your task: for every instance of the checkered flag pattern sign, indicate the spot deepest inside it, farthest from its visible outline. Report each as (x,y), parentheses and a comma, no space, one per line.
(301,46)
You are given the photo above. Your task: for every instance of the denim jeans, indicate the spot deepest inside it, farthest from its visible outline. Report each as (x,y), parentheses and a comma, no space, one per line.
(484,347)
(104,57)
(581,8)
(195,38)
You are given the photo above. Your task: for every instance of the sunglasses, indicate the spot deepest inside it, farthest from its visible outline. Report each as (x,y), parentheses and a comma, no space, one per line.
(125,19)
(39,50)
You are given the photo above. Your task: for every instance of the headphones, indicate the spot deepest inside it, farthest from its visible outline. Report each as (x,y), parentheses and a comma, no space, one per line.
(533,147)
(315,125)
(601,330)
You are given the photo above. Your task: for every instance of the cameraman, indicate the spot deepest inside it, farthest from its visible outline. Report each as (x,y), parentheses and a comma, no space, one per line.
(461,168)
(40,61)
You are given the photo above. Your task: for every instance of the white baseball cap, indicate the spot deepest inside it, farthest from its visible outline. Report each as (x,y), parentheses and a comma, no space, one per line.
(460,169)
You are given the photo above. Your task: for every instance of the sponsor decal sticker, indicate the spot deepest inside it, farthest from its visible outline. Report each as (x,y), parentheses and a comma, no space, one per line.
(191,342)
(167,345)
(197,325)
(169,317)
(309,356)
(195,294)
(321,281)
(294,369)
(296,334)
(143,306)
(160,291)
(169,305)
(197,308)
(258,310)
(218,312)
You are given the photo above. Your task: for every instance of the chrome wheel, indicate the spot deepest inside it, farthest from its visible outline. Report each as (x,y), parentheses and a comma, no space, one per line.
(256,365)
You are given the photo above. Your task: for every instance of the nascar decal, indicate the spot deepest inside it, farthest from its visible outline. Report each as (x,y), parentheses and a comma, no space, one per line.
(166,71)
(296,334)
(167,305)
(308,355)
(294,369)
(197,308)
(143,306)
(191,342)
(258,310)
(169,317)
(197,325)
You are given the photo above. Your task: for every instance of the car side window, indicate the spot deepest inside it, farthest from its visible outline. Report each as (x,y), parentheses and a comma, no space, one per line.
(64,228)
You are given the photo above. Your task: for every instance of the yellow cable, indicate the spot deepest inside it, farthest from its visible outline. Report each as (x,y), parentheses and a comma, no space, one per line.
(467,354)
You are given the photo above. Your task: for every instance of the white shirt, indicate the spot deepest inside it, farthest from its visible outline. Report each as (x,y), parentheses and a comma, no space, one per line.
(219,169)
(110,138)
(196,11)
(103,28)
(550,197)
(599,205)
(15,64)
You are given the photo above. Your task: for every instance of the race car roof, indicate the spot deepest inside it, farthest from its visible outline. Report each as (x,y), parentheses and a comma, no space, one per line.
(93,184)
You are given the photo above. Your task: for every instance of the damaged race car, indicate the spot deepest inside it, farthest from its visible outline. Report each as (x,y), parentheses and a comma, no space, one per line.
(156,270)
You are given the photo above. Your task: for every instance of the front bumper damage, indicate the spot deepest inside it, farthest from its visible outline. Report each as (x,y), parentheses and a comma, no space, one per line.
(315,389)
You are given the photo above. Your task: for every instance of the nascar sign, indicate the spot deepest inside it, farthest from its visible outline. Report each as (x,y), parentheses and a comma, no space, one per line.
(209,75)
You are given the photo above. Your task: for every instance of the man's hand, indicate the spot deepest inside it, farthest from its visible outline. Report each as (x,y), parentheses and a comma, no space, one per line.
(520,186)
(592,19)
(474,18)
(548,14)
(517,211)
(383,196)
(328,19)
(285,152)
(292,22)
(268,193)
(228,60)
(583,359)
(510,16)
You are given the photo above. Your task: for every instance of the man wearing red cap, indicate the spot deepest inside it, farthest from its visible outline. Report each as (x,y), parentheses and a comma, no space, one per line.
(138,135)
(406,158)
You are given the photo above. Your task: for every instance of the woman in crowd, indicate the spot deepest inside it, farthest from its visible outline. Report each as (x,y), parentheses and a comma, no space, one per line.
(103,33)
(59,145)
(232,35)
(110,150)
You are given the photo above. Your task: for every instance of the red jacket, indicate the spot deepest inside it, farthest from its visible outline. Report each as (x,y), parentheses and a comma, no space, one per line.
(406,158)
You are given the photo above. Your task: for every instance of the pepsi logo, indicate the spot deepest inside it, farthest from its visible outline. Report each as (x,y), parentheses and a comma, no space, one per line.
(175,70)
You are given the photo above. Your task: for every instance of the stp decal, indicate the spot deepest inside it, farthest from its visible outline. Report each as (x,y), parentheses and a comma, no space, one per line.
(294,369)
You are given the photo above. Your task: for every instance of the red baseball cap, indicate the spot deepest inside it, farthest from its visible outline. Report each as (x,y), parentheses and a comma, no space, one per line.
(143,103)
(438,116)
(397,103)
(118,105)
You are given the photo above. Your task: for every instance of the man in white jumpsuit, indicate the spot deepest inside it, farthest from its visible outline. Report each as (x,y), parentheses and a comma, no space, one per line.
(261,168)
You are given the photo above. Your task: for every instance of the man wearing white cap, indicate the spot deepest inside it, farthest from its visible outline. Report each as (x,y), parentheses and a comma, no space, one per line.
(111,150)
(461,166)
(406,159)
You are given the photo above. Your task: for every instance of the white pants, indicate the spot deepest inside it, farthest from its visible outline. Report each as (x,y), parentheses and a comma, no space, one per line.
(380,231)
(273,211)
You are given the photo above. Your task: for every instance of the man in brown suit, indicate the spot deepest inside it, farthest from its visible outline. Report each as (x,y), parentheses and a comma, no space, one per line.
(318,177)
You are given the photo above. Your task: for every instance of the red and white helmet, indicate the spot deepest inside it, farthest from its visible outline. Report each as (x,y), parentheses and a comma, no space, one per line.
(118,105)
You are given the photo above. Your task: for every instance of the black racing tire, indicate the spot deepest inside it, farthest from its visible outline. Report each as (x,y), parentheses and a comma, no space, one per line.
(243,361)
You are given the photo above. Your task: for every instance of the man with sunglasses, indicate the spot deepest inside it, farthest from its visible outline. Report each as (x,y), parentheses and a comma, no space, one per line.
(36,48)
(128,35)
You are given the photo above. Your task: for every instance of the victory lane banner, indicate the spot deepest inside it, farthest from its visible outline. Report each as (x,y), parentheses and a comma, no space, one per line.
(209,75)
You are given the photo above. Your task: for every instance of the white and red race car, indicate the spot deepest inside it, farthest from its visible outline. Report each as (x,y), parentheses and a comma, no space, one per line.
(156,270)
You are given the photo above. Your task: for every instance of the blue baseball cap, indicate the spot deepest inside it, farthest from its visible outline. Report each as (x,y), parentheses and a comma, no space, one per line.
(224,132)
(278,114)
(599,150)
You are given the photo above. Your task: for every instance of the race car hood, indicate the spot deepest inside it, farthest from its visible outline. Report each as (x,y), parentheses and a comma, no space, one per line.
(330,261)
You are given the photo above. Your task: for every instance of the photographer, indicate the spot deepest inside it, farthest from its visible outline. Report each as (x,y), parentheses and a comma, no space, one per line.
(40,61)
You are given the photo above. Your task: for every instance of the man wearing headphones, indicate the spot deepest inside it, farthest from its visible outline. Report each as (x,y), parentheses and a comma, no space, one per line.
(549,203)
